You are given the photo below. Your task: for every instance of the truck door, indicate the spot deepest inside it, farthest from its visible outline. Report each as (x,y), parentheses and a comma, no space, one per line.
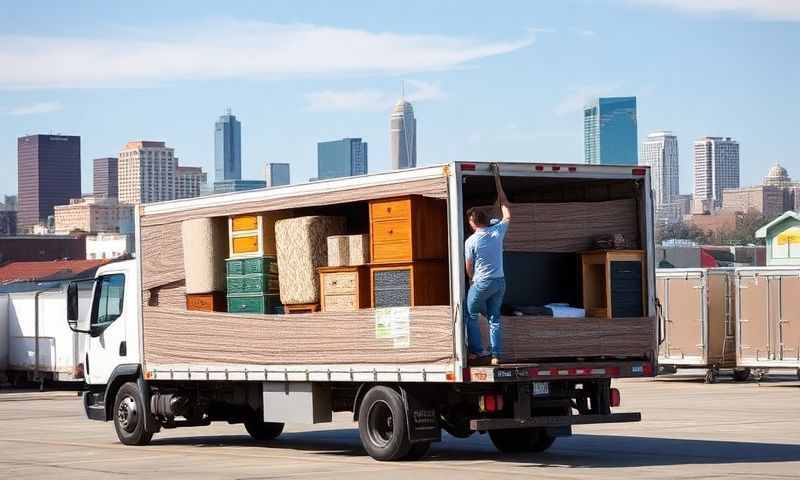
(107,343)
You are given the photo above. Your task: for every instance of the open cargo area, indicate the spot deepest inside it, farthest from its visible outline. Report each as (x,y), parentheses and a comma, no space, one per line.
(370,270)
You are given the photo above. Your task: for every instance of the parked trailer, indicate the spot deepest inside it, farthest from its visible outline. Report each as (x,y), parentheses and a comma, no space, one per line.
(40,345)
(698,307)
(768,318)
(402,370)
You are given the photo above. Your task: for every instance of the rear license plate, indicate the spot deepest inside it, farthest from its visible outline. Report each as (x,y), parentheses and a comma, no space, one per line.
(541,388)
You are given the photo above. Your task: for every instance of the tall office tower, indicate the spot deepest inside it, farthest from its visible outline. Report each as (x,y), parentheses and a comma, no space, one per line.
(277,174)
(660,152)
(105,177)
(341,158)
(146,172)
(403,136)
(610,131)
(49,174)
(716,167)
(227,148)
(189,181)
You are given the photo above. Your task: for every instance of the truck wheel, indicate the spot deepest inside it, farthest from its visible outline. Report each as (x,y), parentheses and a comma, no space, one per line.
(263,431)
(520,440)
(711,376)
(129,416)
(741,375)
(382,424)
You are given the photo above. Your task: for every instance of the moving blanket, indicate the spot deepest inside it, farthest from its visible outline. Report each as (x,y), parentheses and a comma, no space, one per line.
(302,248)
(205,245)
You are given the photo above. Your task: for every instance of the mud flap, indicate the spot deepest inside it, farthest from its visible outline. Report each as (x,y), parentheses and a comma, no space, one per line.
(422,418)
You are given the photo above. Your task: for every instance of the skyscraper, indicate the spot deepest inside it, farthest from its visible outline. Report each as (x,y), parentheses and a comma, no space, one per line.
(49,174)
(341,158)
(105,177)
(610,131)
(403,136)
(189,181)
(227,148)
(660,152)
(146,172)
(716,167)
(277,174)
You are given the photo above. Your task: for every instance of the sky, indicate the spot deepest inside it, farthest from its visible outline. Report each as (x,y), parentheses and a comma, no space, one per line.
(490,81)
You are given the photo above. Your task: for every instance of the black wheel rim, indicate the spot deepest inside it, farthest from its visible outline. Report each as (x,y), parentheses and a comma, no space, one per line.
(127,414)
(381,424)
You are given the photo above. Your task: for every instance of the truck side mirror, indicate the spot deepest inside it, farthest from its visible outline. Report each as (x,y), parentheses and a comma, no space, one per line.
(73,312)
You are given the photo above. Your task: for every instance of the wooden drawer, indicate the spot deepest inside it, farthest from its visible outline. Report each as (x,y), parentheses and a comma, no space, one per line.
(340,283)
(391,231)
(244,223)
(339,303)
(245,244)
(207,302)
(381,210)
(387,252)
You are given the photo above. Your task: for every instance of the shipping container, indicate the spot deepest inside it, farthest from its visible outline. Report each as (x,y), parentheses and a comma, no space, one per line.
(768,318)
(698,309)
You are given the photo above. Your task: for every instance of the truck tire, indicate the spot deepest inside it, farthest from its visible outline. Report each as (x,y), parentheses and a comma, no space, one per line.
(741,375)
(128,415)
(263,431)
(418,451)
(521,440)
(382,424)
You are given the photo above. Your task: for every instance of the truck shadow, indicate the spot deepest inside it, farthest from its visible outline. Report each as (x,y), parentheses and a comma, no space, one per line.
(578,451)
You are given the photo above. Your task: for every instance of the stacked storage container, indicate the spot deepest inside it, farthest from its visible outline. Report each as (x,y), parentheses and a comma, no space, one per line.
(252,268)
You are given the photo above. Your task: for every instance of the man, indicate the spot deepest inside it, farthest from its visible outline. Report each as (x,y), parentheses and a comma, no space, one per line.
(484,264)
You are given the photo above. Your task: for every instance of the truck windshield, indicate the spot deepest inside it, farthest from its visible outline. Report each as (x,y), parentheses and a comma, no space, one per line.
(108,303)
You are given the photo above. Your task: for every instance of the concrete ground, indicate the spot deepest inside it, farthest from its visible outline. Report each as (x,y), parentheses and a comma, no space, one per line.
(689,431)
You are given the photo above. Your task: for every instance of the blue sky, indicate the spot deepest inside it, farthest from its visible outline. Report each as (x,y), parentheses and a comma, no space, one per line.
(489,81)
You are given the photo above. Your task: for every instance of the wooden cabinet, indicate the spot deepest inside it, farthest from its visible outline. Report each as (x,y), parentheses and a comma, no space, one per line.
(409,284)
(254,235)
(344,289)
(406,229)
(206,302)
(613,283)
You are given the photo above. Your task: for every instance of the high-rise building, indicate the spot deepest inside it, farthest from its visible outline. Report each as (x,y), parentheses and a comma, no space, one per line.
(341,158)
(49,174)
(610,131)
(189,181)
(277,174)
(403,136)
(105,177)
(8,222)
(227,148)
(660,152)
(146,172)
(92,214)
(716,167)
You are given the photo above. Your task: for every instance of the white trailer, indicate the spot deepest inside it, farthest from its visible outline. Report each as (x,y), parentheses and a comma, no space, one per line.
(151,364)
(39,344)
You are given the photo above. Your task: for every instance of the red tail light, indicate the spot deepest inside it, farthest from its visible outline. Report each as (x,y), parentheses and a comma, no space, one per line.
(616,398)
(470,167)
(639,172)
(539,168)
(556,168)
(572,169)
(489,403)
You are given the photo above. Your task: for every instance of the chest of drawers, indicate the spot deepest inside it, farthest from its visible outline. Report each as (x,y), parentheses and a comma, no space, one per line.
(253,235)
(344,289)
(405,229)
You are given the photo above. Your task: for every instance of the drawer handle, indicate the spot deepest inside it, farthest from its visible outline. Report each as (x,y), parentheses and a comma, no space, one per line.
(388,209)
(333,282)
(391,231)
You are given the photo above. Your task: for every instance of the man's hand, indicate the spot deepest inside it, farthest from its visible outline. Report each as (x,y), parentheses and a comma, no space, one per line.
(505,205)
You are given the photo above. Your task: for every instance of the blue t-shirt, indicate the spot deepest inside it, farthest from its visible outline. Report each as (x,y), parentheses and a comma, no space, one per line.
(485,249)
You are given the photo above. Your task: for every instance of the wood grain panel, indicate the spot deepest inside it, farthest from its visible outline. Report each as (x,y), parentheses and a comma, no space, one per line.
(162,255)
(176,336)
(431,187)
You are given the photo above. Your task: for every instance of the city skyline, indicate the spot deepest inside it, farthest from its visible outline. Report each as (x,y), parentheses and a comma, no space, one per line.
(403,136)
(227,148)
(484,96)
(660,152)
(610,131)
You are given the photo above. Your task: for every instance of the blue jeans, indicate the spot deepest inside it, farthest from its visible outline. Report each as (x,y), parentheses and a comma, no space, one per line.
(484,297)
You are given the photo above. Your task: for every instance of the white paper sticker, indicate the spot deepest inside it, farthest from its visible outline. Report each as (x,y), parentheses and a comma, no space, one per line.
(394,323)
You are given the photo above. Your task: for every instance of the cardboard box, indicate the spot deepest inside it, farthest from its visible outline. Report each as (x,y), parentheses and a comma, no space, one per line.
(344,250)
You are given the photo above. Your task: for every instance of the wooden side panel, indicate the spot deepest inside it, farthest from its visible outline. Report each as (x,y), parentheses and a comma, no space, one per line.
(531,338)
(429,226)
(754,319)
(175,336)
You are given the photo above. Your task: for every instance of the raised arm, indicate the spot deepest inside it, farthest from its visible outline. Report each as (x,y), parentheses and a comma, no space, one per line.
(505,205)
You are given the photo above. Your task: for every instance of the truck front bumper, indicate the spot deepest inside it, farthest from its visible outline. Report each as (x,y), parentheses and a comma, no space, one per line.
(483,424)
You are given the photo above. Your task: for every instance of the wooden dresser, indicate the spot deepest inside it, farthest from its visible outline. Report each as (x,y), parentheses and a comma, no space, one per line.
(406,229)
(345,288)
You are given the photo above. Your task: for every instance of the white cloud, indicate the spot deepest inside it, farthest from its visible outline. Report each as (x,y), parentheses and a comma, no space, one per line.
(34,108)
(774,10)
(231,49)
(577,98)
(371,99)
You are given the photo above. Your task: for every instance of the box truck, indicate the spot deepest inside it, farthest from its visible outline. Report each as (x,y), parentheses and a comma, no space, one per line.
(232,311)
